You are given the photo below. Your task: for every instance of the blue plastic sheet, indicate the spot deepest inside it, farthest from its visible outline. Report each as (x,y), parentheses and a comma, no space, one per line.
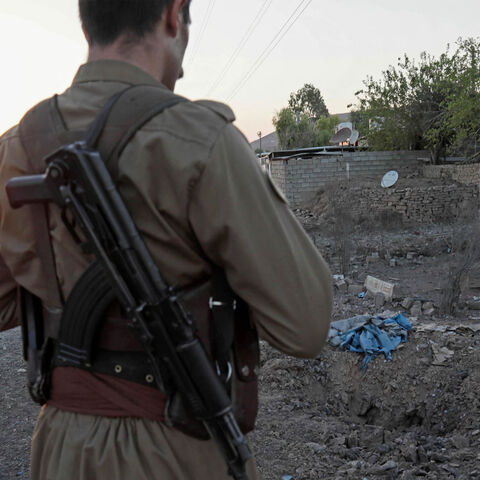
(372,337)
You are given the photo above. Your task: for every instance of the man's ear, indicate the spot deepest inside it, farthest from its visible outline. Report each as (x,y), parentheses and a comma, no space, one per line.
(174,15)
(87,37)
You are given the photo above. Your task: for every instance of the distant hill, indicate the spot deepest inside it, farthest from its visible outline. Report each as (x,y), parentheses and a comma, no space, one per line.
(270,141)
(343,117)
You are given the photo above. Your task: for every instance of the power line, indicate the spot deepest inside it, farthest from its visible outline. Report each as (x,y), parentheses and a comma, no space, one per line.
(270,48)
(260,14)
(203,28)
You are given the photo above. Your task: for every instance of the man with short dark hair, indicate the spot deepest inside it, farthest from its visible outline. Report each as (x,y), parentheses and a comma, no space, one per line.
(199,199)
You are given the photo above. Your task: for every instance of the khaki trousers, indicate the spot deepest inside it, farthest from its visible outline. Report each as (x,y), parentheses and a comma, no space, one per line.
(71,446)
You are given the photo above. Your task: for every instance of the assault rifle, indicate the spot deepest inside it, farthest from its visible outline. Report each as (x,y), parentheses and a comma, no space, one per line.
(77,180)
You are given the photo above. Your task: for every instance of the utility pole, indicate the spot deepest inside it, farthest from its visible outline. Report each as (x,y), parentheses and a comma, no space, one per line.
(259,133)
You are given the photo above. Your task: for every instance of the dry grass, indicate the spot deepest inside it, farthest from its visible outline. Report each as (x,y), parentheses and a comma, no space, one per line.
(465,246)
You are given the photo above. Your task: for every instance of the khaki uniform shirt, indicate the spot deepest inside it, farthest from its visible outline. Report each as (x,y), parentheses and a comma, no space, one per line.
(198,195)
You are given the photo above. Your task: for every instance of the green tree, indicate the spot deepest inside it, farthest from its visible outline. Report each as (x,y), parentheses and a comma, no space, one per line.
(285,124)
(326,128)
(430,104)
(308,101)
(304,133)
(463,103)
(305,122)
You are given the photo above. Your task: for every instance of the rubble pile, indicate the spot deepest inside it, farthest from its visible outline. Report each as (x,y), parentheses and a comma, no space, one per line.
(415,416)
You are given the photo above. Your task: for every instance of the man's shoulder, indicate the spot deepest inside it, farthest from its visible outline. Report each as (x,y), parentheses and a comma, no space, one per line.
(208,112)
(14,132)
(10,134)
(200,122)
(220,109)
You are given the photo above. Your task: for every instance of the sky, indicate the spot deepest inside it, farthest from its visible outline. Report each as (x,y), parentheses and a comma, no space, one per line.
(238,52)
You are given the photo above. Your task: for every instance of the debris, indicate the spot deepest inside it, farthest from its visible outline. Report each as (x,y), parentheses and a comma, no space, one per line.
(342,286)
(460,441)
(474,328)
(416,309)
(387,314)
(341,326)
(441,354)
(361,277)
(427,306)
(473,303)
(376,285)
(372,335)
(393,262)
(407,303)
(390,465)
(379,299)
(459,329)
(340,283)
(355,289)
(411,255)
(431,327)
(372,435)
(316,447)
(374,258)
(382,469)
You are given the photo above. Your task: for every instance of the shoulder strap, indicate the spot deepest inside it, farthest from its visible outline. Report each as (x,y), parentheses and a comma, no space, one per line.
(43,130)
(121,118)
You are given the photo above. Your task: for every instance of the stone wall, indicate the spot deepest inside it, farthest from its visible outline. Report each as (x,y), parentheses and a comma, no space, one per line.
(412,202)
(467,174)
(301,178)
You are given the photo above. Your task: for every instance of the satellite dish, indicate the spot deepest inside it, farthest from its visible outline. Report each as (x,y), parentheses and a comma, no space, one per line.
(354,137)
(389,179)
(341,136)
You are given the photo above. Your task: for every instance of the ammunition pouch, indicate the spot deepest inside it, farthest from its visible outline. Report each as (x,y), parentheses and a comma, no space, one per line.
(39,328)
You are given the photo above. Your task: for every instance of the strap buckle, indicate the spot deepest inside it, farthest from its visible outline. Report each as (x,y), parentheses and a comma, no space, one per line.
(216,303)
(229,371)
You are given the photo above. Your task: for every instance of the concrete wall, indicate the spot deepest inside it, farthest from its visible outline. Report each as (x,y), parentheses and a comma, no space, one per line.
(467,174)
(300,178)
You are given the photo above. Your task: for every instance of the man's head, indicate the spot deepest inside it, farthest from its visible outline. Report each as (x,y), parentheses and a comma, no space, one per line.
(116,28)
(104,21)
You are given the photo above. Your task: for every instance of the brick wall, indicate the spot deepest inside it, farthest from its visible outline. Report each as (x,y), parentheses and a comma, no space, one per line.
(467,174)
(300,178)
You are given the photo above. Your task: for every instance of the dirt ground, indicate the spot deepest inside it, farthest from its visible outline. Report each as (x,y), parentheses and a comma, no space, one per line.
(414,416)
(417,416)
